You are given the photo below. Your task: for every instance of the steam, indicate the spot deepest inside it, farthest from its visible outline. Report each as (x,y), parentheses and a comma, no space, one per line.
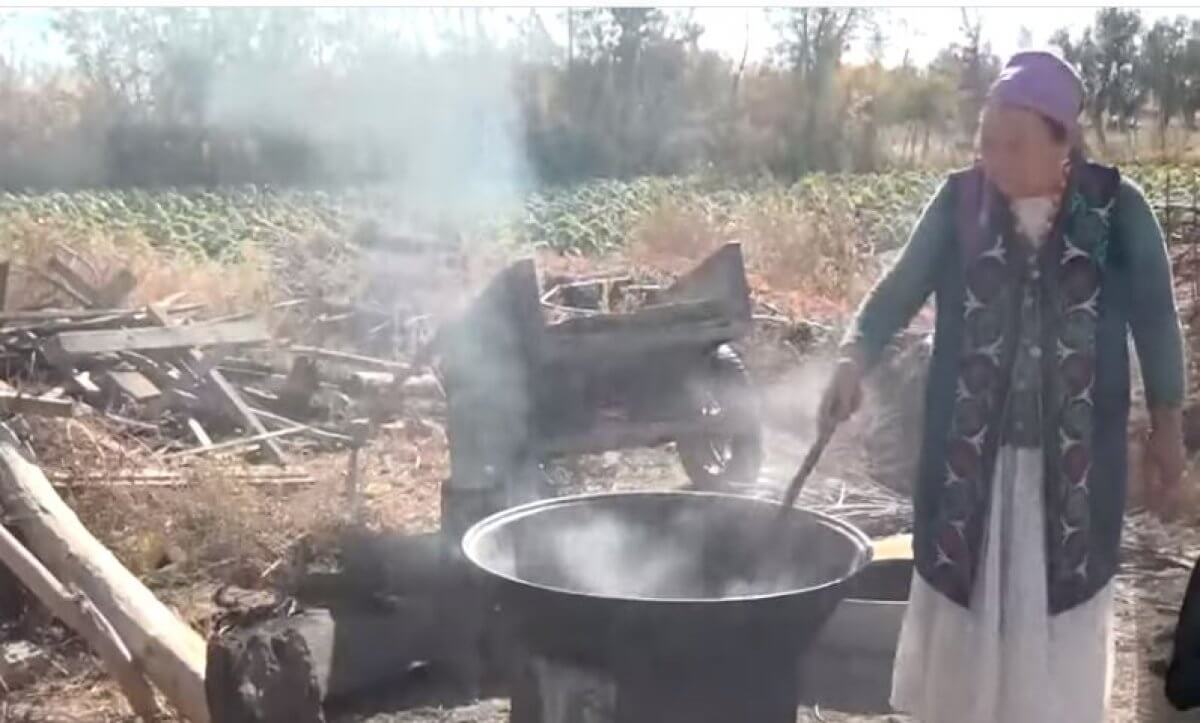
(692,554)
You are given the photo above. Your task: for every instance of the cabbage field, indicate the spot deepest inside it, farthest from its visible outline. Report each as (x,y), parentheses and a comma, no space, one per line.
(595,217)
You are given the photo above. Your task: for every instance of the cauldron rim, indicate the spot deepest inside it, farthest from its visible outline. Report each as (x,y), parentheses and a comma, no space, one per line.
(854,536)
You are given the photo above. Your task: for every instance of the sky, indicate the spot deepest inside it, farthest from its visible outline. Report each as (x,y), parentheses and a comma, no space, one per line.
(922,32)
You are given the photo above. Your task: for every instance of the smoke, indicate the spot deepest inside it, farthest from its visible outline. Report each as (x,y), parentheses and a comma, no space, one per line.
(444,129)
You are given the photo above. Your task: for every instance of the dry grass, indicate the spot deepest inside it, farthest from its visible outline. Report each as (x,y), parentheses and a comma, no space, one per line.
(806,260)
(224,288)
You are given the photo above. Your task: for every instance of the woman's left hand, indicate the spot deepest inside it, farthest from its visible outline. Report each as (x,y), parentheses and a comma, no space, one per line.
(1164,462)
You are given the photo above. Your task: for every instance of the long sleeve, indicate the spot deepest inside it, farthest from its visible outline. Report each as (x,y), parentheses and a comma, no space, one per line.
(898,296)
(1153,317)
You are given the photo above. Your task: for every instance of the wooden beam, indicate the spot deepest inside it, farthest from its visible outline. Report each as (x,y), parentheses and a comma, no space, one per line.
(199,433)
(75,285)
(233,403)
(73,345)
(353,359)
(133,385)
(241,411)
(4,268)
(14,402)
(82,616)
(168,651)
(236,443)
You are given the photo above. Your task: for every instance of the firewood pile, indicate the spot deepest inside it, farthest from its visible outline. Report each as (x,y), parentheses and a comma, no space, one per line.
(178,383)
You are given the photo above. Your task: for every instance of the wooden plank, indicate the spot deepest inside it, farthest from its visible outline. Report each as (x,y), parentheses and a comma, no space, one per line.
(133,385)
(257,439)
(239,409)
(167,649)
(14,402)
(77,286)
(199,433)
(73,345)
(235,406)
(4,267)
(353,359)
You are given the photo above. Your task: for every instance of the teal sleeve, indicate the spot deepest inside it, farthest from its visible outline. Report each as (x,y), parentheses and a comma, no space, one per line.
(898,296)
(1153,318)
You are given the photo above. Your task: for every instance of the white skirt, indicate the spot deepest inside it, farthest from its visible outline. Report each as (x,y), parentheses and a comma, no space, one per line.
(1006,659)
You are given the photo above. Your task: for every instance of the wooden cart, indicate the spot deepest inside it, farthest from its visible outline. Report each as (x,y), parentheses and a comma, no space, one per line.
(522,391)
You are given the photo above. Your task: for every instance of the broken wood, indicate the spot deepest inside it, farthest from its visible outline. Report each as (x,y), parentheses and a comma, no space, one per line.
(75,285)
(257,439)
(14,402)
(132,385)
(198,432)
(71,346)
(317,432)
(241,411)
(234,405)
(167,650)
(82,616)
(284,669)
(353,359)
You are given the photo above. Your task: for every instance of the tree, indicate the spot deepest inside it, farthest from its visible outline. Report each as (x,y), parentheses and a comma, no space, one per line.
(812,43)
(1085,56)
(1164,70)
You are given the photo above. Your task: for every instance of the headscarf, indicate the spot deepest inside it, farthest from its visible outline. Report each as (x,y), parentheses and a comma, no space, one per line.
(1041,81)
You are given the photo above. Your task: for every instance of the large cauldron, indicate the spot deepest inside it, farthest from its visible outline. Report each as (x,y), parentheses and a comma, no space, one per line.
(659,594)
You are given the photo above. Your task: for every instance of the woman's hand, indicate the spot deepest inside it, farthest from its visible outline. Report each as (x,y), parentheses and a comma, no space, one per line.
(843,395)
(1164,461)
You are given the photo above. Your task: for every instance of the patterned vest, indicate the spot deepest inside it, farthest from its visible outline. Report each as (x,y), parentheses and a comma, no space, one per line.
(1023,361)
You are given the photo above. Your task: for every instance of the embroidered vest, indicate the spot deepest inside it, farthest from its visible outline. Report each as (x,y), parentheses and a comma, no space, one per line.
(1064,279)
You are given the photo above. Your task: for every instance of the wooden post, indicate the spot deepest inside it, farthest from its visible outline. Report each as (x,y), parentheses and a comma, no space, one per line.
(82,616)
(169,652)
(359,429)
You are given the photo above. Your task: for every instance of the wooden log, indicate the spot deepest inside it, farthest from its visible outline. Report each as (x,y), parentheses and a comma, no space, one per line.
(284,669)
(73,345)
(168,651)
(81,616)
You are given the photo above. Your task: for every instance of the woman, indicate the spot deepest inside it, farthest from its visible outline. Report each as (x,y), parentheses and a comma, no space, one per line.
(1040,262)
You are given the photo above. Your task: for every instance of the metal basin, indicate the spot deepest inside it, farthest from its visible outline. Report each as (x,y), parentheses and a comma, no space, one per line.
(849,666)
(653,591)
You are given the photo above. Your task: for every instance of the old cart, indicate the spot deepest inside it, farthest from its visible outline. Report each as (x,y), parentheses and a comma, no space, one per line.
(522,391)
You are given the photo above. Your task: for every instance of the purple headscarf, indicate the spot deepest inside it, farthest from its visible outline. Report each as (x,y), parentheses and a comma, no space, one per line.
(1041,81)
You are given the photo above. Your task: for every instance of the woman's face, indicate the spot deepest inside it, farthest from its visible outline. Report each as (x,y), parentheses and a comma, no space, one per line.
(1020,153)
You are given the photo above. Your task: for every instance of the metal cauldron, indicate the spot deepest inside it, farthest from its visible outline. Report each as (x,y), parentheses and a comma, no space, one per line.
(652,591)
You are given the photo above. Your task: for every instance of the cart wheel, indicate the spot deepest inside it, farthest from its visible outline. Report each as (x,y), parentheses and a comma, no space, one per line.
(717,461)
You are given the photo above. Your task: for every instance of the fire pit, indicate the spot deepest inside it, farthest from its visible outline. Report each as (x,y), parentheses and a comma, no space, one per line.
(638,607)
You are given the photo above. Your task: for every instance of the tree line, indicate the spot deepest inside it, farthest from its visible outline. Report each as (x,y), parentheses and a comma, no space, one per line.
(201,96)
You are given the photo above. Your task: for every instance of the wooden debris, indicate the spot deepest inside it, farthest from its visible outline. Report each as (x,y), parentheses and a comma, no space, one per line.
(72,346)
(365,362)
(74,284)
(238,407)
(258,439)
(168,651)
(4,267)
(198,432)
(133,385)
(81,615)
(46,405)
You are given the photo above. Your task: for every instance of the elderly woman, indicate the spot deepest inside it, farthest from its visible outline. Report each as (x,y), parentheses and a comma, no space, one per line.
(1040,262)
